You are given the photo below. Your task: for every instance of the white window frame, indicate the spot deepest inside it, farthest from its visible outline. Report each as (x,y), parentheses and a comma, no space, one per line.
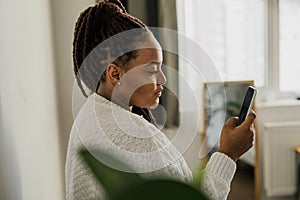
(271,91)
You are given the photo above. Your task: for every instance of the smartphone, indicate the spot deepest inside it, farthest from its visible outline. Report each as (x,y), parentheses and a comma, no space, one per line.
(247,104)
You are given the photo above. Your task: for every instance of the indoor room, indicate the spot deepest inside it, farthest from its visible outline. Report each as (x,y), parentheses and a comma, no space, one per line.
(212,61)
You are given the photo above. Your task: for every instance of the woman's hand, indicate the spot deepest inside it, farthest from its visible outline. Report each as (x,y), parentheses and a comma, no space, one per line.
(235,141)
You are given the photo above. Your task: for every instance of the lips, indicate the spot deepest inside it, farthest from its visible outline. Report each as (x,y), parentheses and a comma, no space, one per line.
(158,94)
(159,91)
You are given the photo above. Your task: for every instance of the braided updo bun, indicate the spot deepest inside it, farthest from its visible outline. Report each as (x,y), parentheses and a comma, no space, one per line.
(94,25)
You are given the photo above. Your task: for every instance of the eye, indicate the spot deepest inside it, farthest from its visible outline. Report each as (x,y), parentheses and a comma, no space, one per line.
(153,72)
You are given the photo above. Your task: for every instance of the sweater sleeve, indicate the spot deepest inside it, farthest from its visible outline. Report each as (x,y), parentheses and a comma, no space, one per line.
(217,176)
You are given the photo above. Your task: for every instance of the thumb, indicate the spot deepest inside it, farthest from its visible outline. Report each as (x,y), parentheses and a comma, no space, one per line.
(231,122)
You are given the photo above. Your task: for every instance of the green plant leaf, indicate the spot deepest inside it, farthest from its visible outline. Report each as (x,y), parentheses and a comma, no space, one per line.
(121,185)
(113,181)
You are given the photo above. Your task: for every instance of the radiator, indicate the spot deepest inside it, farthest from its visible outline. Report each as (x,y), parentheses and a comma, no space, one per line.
(279,158)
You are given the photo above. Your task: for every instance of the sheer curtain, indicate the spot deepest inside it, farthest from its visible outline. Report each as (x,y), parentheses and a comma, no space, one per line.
(232,32)
(289,46)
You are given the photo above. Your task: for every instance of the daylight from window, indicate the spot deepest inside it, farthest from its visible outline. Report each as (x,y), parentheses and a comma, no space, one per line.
(233,34)
(289,46)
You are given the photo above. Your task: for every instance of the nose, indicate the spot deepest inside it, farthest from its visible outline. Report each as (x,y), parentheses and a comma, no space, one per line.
(161,78)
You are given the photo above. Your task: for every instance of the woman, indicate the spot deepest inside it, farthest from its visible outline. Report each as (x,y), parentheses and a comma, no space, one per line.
(124,73)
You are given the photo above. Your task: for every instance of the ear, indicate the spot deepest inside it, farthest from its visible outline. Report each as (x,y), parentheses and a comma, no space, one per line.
(113,73)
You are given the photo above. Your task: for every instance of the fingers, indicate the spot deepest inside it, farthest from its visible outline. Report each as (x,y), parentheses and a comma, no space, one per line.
(235,141)
(231,122)
(250,119)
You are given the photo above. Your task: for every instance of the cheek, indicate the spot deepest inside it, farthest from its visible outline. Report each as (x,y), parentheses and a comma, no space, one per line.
(141,82)
(145,90)
(145,81)
(144,95)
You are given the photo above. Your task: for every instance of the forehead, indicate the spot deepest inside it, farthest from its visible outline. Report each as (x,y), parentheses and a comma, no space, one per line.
(150,50)
(149,55)
(145,56)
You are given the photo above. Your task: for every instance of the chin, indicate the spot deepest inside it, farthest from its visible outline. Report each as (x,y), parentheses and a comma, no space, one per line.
(149,104)
(154,106)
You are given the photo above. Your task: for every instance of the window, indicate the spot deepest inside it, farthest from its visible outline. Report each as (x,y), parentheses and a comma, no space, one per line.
(289,45)
(248,40)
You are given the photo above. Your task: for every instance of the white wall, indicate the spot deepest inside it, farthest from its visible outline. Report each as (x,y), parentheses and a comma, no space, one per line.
(36,80)
(64,16)
(28,98)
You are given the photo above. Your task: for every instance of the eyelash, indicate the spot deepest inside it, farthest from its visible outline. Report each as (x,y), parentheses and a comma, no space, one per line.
(153,72)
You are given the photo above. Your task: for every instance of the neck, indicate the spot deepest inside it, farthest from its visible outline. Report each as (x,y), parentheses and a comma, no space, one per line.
(102,91)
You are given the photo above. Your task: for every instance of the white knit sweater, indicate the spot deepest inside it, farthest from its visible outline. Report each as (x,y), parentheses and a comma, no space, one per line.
(108,128)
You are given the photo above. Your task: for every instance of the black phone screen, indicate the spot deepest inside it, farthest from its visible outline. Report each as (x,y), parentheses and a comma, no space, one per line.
(247,105)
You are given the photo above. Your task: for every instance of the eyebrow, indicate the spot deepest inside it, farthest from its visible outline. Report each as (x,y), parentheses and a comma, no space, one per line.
(152,63)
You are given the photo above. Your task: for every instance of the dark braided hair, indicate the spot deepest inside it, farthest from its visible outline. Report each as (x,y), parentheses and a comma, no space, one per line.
(94,26)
